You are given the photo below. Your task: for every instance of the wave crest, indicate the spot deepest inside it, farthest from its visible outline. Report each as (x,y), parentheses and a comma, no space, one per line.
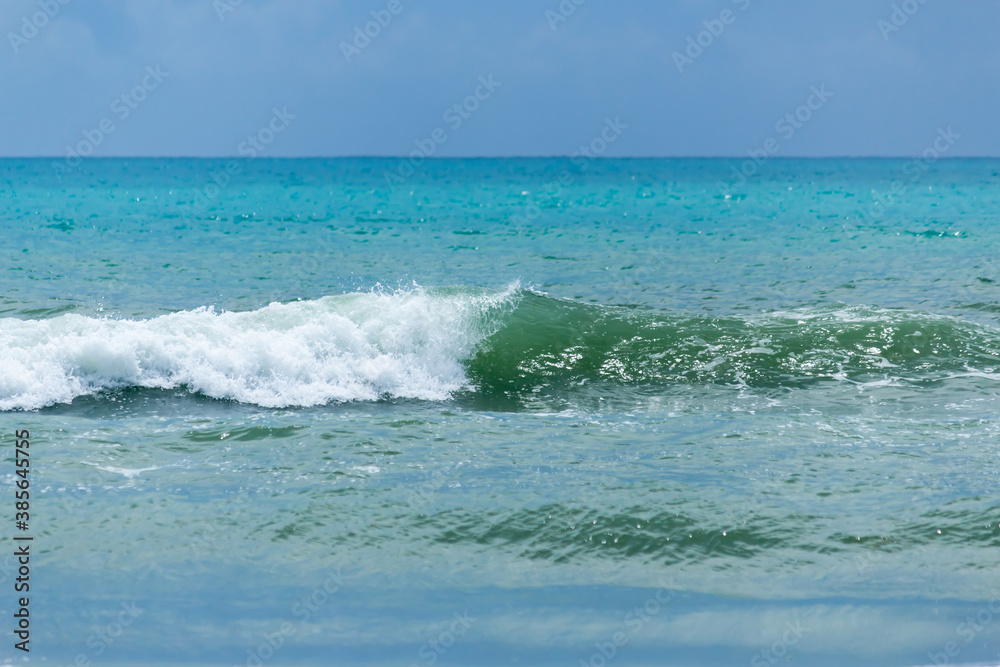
(364,346)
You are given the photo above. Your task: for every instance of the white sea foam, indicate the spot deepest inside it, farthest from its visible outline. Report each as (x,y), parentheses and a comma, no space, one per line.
(407,344)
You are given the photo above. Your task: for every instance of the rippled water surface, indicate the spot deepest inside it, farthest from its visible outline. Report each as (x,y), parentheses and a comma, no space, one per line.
(647,417)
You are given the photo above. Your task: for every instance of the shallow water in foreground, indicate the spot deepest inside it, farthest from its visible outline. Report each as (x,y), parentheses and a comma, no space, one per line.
(651,421)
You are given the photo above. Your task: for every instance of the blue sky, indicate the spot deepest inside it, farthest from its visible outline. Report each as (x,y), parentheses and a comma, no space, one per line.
(558,74)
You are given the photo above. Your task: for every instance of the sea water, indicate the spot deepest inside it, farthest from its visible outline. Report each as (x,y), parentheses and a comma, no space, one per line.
(539,411)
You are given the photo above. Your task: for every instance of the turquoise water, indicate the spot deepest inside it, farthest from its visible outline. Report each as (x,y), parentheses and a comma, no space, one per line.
(506,412)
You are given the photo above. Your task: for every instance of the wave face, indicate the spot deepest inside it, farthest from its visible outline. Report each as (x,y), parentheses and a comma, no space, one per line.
(432,344)
(550,345)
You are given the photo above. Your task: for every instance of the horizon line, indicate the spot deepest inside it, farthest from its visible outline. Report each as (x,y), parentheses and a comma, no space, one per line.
(498,157)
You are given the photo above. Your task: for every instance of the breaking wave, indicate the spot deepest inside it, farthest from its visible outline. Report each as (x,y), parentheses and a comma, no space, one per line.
(432,344)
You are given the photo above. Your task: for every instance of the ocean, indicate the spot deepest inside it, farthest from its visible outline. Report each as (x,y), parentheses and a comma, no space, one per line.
(503,411)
